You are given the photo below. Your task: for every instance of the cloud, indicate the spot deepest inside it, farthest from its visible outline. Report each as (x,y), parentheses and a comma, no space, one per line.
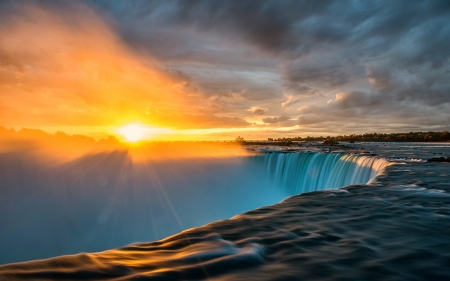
(299,89)
(196,60)
(316,74)
(379,76)
(295,93)
(258,110)
(368,47)
(76,67)
(291,101)
(354,99)
(272,120)
(198,121)
(79,73)
(311,119)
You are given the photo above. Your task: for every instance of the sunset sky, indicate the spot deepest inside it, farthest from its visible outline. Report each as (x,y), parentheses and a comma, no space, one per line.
(219,69)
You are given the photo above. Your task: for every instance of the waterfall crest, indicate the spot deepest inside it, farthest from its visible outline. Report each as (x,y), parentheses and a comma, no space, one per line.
(305,172)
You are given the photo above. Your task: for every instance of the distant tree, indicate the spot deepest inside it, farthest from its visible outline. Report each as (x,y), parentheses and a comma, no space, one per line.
(239,139)
(379,137)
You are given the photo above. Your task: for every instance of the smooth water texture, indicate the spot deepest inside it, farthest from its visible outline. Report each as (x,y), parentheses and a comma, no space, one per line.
(106,200)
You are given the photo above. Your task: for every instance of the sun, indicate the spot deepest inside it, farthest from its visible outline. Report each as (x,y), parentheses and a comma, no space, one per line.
(133,132)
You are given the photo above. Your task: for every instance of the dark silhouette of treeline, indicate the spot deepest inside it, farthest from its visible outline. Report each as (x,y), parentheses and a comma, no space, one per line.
(443,136)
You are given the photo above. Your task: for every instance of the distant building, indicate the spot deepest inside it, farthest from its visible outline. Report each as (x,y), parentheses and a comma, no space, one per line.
(270,139)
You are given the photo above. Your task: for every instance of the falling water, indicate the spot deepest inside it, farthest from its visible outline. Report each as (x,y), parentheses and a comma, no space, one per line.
(305,172)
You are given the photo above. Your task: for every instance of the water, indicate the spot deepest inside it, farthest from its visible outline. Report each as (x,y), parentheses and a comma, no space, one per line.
(394,228)
(305,172)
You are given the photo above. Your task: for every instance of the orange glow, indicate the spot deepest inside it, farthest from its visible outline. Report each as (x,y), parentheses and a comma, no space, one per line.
(133,132)
(81,78)
(61,147)
(79,74)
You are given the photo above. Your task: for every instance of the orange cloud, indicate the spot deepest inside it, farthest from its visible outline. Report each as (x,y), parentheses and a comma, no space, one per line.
(61,68)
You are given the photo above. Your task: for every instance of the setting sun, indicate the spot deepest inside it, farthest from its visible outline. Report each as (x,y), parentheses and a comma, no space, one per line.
(133,133)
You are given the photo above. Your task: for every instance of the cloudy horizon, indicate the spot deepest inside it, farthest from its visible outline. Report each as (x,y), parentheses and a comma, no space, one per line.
(215,70)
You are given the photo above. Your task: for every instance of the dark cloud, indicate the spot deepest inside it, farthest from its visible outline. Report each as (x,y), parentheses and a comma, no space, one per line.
(275,26)
(320,43)
(379,77)
(374,111)
(318,74)
(356,99)
(268,24)
(299,89)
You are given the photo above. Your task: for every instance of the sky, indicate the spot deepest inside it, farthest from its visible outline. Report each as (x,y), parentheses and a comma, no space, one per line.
(221,69)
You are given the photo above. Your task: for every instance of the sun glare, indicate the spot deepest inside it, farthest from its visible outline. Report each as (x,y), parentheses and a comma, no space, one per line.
(133,133)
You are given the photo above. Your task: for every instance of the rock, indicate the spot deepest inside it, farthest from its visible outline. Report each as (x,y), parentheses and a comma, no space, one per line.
(439,159)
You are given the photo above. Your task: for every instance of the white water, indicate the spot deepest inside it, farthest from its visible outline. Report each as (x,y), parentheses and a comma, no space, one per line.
(305,172)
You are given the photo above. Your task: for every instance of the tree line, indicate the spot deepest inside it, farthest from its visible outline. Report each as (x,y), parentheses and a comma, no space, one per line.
(379,137)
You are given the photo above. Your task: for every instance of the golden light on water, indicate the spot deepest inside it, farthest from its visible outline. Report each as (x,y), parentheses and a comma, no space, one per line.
(133,132)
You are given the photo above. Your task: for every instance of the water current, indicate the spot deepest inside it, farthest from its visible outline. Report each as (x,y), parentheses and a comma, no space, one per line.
(389,222)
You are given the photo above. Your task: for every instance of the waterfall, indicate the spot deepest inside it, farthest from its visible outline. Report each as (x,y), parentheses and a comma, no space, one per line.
(102,201)
(305,172)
